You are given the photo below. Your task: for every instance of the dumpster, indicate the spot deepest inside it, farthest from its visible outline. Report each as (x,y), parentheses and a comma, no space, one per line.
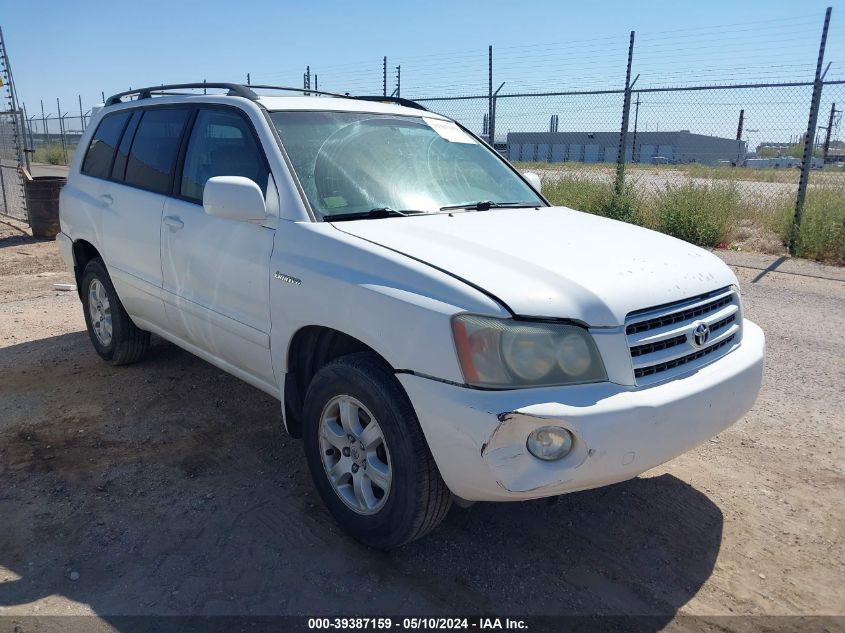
(42,203)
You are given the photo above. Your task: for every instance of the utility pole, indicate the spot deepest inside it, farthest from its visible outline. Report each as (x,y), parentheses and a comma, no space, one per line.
(739,136)
(384,76)
(316,88)
(398,81)
(833,112)
(808,139)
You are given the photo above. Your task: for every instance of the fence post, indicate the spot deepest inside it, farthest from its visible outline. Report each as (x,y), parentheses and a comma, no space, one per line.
(21,118)
(809,138)
(46,138)
(489,93)
(3,187)
(62,129)
(31,136)
(491,123)
(626,112)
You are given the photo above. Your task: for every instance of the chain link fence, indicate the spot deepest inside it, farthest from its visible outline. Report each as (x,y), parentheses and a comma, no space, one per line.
(734,151)
(53,139)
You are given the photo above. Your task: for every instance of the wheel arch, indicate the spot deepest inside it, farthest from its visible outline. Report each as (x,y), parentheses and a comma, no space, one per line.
(83,252)
(311,348)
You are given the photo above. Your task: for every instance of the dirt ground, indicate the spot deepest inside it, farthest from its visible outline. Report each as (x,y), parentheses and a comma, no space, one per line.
(169,487)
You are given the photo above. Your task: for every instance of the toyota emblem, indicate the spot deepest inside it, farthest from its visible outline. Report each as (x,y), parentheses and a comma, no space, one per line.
(700,334)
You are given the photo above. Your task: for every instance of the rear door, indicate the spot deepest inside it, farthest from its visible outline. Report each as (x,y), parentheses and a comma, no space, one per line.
(216,271)
(133,200)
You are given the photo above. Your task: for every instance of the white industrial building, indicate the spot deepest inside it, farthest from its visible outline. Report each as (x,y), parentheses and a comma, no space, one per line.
(644,147)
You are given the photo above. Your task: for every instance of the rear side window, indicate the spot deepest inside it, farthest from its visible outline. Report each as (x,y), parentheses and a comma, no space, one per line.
(100,152)
(154,149)
(222,144)
(118,169)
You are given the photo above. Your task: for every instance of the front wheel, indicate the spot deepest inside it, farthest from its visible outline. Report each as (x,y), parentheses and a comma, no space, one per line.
(367,454)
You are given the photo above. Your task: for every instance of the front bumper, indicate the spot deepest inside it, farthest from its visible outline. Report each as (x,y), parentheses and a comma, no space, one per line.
(478,437)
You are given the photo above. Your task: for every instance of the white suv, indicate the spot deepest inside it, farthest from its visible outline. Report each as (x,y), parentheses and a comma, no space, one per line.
(433,327)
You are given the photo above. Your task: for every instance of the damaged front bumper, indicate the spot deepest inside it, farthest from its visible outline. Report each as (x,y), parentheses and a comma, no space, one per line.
(478,438)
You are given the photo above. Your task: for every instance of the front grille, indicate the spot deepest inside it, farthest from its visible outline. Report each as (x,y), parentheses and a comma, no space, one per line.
(639,350)
(685,315)
(661,340)
(683,360)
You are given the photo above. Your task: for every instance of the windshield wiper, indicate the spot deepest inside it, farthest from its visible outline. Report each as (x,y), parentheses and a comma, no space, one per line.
(486,205)
(373,214)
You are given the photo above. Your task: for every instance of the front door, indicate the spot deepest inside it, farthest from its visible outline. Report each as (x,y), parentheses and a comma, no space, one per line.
(216,271)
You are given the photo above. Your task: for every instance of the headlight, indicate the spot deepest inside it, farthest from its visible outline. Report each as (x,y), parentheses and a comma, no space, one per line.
(503,353)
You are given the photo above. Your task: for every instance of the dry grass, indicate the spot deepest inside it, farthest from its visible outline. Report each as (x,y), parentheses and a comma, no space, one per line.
(713,213)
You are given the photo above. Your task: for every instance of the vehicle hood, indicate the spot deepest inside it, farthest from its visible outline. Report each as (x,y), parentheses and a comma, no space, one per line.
(554,262)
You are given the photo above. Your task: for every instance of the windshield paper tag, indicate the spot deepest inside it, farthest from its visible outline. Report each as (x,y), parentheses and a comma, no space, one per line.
(449,131)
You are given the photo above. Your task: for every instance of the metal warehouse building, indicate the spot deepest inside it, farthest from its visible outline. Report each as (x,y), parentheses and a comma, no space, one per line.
(647,147)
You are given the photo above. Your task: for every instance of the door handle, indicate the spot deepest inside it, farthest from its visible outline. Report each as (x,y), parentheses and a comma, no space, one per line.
(173,222)
(107,199)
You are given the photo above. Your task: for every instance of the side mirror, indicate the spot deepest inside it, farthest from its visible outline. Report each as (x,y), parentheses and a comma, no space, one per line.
(233,198)
(534,180)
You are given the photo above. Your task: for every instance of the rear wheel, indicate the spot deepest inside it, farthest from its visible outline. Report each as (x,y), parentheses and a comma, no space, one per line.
(367,454)
(114,336)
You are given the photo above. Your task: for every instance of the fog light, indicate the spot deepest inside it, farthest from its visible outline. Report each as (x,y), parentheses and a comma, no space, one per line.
(549,443)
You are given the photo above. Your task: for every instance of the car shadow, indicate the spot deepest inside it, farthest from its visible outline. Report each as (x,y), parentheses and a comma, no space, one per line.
(170,488)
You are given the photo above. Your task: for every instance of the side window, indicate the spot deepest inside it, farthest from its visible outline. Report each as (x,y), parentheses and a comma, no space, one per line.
(118,169)
(154,148)
(100,152)
(222,144)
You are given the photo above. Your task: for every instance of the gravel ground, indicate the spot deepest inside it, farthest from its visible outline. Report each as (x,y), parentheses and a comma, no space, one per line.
(169,487)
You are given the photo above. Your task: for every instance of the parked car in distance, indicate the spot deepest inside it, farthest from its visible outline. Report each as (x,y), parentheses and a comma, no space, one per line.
(433,327)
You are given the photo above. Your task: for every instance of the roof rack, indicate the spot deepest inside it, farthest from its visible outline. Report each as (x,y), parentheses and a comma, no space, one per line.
(304,90)
(396,100)
(238,90)
(246,91)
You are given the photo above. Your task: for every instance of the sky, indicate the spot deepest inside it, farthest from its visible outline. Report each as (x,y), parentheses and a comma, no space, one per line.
(86,48)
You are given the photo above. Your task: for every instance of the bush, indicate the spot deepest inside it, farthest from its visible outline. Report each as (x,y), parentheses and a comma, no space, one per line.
(594,196)
(50,154)
(822,232)
(702,214)
(716,213)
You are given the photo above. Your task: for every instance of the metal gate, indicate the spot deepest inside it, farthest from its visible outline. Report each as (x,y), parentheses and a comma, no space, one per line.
(12,200)
(12,143)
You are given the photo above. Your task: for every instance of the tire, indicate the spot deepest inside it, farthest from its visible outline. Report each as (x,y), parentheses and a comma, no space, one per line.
(126,342)
(417,499)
